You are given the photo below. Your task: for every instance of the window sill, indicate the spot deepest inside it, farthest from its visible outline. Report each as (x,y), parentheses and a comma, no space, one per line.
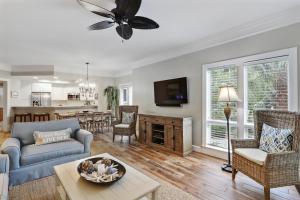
(212,151)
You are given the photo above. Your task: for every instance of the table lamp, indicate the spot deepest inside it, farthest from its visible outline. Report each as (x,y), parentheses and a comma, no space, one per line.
(227,94)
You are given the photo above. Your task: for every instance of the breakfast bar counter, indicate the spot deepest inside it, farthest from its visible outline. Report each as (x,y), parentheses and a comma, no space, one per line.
(52,109)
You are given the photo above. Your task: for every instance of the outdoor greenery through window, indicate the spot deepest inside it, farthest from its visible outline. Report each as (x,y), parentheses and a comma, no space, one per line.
(267,86)
(217,123)
(262,83)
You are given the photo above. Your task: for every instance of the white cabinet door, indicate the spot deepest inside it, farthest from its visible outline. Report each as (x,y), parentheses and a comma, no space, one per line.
(41,87)
(58,93)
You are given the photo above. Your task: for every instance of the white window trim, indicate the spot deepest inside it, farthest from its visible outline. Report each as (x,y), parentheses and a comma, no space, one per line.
(129,88)
(239,62)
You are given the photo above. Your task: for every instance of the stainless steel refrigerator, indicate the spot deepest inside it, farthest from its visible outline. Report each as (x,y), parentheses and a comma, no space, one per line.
(41,98)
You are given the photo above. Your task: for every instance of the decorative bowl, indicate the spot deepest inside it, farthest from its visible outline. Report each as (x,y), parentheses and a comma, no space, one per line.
(100,170)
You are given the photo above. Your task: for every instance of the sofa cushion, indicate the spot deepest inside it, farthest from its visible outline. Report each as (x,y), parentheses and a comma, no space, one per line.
(4,186)
(51,136)
(255,155)
(24,131)
(275,140)
(33,154)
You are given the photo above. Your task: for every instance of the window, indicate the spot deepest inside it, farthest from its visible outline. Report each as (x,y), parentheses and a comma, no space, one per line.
(125,95)
(216,123)
(262,81)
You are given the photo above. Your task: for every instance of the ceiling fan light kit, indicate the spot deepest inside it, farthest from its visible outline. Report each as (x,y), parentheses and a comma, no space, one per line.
(124,15)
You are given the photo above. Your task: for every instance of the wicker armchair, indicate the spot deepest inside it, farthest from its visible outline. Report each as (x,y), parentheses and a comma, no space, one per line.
(278,169)
(125,129)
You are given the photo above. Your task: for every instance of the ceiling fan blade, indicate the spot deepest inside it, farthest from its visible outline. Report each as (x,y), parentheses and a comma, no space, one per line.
(128,8)
(139,22)
(99,10)
(125,31)
(107,15)
(101,25)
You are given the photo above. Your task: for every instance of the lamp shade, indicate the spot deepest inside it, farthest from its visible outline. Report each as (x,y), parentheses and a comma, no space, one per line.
(228,94)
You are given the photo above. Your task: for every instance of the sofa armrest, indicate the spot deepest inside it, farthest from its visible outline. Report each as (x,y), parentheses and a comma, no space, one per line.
(86,138)
(244,143)
(11,147)
(4,163)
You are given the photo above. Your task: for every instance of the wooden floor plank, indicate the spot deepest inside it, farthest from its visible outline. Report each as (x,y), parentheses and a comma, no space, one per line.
(197,174)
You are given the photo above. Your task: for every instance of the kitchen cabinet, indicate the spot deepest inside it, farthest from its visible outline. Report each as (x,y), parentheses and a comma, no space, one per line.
(41,87)
(58,93)
(61,93)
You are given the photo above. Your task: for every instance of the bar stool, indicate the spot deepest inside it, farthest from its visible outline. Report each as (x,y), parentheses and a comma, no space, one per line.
(82,118)
(41,117)
(22,117)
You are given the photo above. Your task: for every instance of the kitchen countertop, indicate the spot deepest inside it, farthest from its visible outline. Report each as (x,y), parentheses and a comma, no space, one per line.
(57,107)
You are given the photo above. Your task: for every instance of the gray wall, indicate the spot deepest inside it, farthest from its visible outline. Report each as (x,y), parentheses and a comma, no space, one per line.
(191,66)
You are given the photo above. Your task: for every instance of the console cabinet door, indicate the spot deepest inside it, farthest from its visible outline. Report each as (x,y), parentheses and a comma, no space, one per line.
(169,130)
(143,131)
(178,139)
(149,133)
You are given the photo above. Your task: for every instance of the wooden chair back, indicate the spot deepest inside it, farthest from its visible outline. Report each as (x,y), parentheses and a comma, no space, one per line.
(97,116)
(82,117)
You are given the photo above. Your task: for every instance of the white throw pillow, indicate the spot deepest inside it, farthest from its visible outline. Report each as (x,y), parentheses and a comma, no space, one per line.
(127,118)
(275,140)
(52,136)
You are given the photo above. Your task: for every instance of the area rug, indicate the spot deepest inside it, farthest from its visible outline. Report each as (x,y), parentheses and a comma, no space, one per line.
(45,189)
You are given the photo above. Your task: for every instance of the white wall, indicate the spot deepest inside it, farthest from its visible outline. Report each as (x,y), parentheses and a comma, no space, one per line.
(191,66)
(102,84)
(1,96)
(23,87)
(4,77)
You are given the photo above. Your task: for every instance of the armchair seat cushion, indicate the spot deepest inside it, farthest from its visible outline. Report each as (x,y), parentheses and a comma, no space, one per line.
(253,154)
(33,154)
(122,126)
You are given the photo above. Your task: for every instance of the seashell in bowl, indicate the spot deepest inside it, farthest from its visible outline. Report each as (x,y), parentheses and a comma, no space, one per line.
(101,170)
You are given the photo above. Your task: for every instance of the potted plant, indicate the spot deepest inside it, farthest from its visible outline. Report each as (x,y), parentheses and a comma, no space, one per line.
(112,98)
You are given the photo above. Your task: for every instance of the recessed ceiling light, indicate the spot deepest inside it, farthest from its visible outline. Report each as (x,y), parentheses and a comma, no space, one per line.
(35,77)
(56,81)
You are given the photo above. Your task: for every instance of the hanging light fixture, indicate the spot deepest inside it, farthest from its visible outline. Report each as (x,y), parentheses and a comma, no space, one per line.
(87,88)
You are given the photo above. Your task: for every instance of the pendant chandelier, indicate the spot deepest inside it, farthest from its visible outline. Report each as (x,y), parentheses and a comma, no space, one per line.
(87,88)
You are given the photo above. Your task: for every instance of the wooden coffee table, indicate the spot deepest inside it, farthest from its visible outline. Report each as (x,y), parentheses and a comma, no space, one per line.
(134,184)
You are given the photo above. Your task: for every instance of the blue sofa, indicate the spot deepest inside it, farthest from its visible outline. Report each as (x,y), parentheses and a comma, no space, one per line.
(29,161)
(4,169)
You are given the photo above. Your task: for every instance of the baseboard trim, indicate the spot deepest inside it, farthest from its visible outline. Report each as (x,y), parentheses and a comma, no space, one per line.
(211,152)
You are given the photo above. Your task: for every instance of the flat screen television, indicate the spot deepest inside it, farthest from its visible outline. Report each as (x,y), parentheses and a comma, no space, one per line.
(171,92)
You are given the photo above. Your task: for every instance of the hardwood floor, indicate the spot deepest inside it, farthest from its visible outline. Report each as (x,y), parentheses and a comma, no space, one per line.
(197,173)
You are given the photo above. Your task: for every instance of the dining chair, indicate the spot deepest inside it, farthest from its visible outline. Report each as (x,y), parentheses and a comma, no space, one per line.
(97,122)
(82,118)
(107,120)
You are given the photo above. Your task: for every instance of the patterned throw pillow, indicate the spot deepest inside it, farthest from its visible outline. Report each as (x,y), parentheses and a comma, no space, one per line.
(51,136)
(127,118)
(275,140)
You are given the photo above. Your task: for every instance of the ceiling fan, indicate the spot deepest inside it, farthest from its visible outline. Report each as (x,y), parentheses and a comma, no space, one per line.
(124,15)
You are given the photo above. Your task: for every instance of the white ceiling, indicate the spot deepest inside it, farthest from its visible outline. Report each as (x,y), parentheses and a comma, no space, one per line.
(54,32)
